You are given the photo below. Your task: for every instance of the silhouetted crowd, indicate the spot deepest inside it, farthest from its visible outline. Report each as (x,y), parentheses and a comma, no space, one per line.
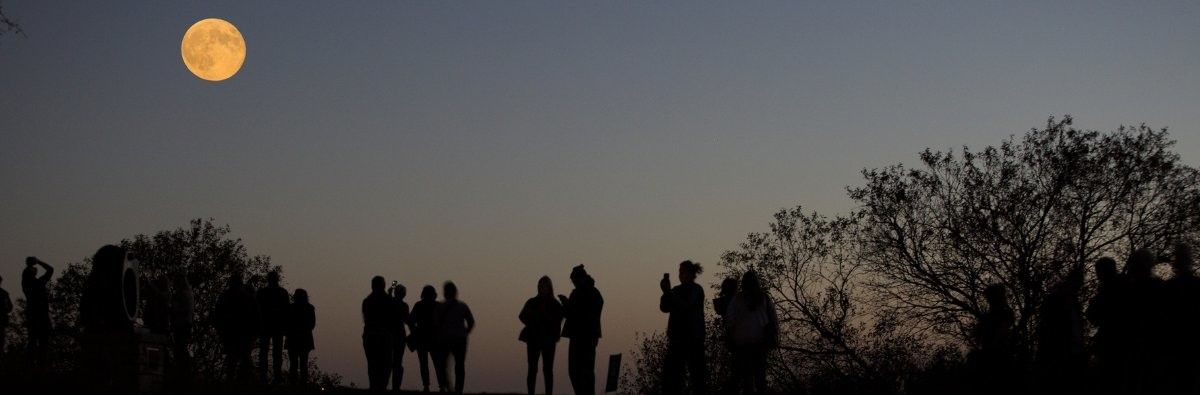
(438,330)
(245,317)
(1146,340)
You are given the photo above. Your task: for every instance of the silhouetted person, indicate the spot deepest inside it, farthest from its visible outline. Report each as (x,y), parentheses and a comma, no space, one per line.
(378,324)
(729,288)
(423,323)
(542,316)
(156,313)
(1183,324)
(301,320)
(685,330)
(1106,314)
(993,353)
(6,308)
(183,310)
(273,305)
(37,305)
(399,337)
(237,322)
(1144,312)
(753,329)
(102,318)
(456,322)
(1061,359)
(582,325)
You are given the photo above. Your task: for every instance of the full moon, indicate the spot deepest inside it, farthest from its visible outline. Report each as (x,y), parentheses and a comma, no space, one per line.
(213,49)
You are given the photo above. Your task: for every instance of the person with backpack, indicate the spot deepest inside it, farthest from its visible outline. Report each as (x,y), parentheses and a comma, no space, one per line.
(753,330)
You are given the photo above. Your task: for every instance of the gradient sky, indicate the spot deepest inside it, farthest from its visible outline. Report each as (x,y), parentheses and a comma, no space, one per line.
(494,142)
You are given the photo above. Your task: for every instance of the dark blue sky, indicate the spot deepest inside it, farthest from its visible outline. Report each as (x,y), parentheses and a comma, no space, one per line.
(493,142)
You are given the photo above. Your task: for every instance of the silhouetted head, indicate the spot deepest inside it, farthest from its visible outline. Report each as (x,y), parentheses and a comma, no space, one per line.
(1106,270)
(1183,264)
(273,278)
(399,292)
(429,293)
(580,277)
(1072,283)
(996,296)
(378,284)
(450,291)
(545,287)
(688,271)
(729,286)
(300,296)
(30,261)
(1140,264)
(1,280)
(108,257)
(752,290)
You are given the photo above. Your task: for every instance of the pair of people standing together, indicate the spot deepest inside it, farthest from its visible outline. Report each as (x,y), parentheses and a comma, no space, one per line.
(543,316)
(438,330)
(750,331)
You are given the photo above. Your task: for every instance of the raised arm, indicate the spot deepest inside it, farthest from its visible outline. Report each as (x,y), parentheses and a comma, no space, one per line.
(47,273)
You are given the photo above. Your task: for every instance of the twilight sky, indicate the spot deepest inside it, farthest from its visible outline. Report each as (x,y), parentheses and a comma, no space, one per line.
(493,142)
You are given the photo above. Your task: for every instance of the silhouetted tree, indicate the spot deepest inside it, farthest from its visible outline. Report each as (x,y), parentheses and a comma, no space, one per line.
(1021,215)
(202,251)
(829,330)
(8,25)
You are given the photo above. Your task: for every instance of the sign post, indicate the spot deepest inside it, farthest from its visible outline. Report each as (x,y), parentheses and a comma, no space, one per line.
(614,373)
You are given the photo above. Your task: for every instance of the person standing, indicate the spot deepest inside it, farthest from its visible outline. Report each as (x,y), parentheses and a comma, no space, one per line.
(993,356)
(685,330)
(423,325)
(301,320)
(753,329)
(1182,323)
(1105,312)
(399,336)
(156,309)
(542,316)
(37,305)
(456,323)
(582,315)
(378,324)
(273,305)
(729,288)
(1145,311)
(183,307)
(237,321)
(1061,360)
(6,308)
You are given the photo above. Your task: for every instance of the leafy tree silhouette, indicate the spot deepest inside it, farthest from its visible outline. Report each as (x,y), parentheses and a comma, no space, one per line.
(1021,215)
(204,253)
(883,300)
